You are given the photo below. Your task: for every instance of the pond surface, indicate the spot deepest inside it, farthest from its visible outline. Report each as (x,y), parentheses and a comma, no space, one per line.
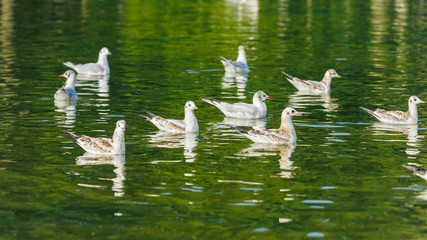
(343,180)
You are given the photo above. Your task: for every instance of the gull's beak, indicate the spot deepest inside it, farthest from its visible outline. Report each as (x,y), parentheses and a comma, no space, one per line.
(421,101)
(269,97)
(195,107)
(298,114)
(62,75)
(109,53)
(338,76)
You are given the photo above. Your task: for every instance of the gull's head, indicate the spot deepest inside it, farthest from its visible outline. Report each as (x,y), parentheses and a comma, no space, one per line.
(289,112)
(190,105)
(67,74)
(333,73)
(121,125)
(415,100)
(104,51)
(241,48)
(262,96)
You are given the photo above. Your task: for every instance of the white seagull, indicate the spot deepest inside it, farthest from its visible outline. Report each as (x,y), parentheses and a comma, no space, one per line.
(68,91)
(238,66)
(104,146)
(284,135)
(398,117)
(99,68)
(189,124)
(258,108)
(324,86)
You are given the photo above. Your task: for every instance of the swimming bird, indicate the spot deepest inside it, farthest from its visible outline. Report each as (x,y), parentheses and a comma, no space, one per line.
(99,68)
(238,66)
(284,135)
(398,117)
(258,108)
(323,86)
(104,146)
(189,124)
(68,91)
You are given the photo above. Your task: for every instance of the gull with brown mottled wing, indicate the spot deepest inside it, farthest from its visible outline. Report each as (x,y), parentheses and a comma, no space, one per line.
(398,117)
(324,86)
(189,124)
(284,135)
(103,146)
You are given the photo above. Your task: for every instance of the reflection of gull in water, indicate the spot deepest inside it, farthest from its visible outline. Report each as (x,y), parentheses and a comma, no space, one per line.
(69,108)
(258,124)
(118,161)
(177,140)
(97,84)
(419,172)
(285,152)
(98,89)
(301,99)
(235,80)
(411,130)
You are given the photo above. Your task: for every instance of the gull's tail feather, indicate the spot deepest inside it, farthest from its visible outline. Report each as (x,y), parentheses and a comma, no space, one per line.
(150,115)
(210,100)
(288,76)
(240,130)
(72,135)
(69,64)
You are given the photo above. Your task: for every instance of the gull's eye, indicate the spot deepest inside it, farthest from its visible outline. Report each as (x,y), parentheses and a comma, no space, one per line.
(293,111)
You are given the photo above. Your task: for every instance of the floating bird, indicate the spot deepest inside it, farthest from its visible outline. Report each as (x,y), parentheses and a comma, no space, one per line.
(323,86)
(398,117)
(238,66)
(284,135)
(419,172)
(189,124)
(68,91)
(104,146)
(99,68)
(258,109)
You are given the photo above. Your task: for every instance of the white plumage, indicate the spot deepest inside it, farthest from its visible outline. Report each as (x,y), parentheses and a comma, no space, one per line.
(101,67)
(238,66)
(68,91)
(258,108)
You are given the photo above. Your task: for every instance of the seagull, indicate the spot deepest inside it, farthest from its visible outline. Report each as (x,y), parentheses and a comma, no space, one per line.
(419,172)
(99,68)
(323,86)
(284,135)
(103,146)
(243,110)
(189,124)
(398,117)
(238,66)
(68,91)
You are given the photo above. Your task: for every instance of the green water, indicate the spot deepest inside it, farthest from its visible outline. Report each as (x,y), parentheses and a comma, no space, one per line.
(344,179)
